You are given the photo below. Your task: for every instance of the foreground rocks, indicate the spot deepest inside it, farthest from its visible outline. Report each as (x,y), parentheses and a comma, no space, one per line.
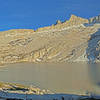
(67,41)
(10,91)
(21,89)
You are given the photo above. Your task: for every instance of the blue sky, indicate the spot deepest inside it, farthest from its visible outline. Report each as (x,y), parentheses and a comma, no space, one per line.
(32,14)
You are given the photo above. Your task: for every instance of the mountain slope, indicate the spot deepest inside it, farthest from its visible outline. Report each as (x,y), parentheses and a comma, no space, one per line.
(70,41)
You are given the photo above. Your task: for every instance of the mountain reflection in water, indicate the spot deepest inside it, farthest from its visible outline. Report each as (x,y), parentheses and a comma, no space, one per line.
(60,78)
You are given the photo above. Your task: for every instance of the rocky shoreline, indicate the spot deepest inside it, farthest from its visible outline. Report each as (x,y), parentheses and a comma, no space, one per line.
(10,91)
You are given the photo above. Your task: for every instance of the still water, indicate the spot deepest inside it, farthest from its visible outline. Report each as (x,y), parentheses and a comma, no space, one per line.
(60,78)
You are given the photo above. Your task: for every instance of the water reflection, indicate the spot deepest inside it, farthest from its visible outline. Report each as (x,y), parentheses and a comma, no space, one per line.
(94,73)
(59,78)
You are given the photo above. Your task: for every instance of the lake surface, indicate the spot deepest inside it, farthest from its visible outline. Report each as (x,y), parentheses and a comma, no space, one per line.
(59,78)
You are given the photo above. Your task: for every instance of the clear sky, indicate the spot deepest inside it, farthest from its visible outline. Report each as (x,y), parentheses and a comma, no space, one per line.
(32,14)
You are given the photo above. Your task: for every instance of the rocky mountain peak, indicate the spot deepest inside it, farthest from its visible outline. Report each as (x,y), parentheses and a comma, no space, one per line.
(77,20)
(74,20)
(73,17)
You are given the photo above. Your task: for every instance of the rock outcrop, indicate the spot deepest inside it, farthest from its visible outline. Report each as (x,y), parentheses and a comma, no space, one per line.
(58,22)
(94,20)
(21,89)
(64,42)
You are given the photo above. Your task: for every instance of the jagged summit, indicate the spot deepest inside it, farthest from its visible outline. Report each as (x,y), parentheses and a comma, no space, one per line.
(74,20)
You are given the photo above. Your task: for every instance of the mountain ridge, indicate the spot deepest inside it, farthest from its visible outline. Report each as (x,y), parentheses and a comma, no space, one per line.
(68,41)
(74,20)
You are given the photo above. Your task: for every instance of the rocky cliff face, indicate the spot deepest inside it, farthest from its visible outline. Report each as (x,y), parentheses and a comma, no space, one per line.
(67,41)
(94,20)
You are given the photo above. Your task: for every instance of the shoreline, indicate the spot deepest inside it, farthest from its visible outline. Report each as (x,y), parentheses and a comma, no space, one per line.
(17,96)
(17,91)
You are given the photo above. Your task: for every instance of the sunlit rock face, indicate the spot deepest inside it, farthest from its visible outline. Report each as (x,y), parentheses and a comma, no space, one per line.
(21,89)
(67,41)
(75,20)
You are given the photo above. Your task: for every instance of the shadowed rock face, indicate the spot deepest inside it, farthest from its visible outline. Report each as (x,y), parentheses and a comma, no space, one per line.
(93,50)
(94,19)
(67,41)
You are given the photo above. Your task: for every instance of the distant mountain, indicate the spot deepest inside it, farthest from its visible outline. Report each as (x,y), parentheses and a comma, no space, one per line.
(74,40)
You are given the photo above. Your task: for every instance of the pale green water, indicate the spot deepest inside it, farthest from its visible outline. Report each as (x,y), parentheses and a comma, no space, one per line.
(61,78)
